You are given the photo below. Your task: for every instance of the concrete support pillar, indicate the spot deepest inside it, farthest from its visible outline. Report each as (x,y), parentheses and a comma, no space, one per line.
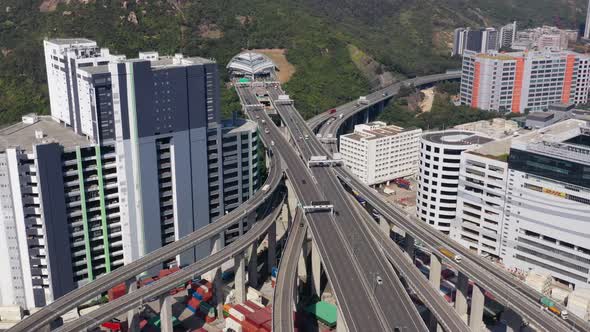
(316,269)
(253,265)
(410,245)
(217,243)
(384,226)
(461,296)
(435,269)
(133,314)
(476,315)
(302,264)
(240,278)
(166,313)
(432,323)
(272,246)
(218,289)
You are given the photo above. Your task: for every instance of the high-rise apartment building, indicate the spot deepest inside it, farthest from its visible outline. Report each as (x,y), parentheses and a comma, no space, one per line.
(507,35)
(153,164)
(545,37)
(475,40)
(524,81)
(63,58)
(438,181)
(378,153)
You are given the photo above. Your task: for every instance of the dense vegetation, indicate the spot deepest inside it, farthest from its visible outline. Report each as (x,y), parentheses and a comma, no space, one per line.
(442,115)
(409,37)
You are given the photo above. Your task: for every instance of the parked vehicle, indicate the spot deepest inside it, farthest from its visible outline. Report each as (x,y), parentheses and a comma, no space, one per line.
(548,304)
(450,254)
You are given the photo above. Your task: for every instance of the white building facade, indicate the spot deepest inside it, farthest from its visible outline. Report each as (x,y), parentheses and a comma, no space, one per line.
(480,202)
(438,181)
(546,220)
(377,153)
(63,58)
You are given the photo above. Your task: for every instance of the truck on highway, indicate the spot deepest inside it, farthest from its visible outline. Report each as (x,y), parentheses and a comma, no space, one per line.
(449,254)
(265,187)
(332,111)
(362,100)
(548,304)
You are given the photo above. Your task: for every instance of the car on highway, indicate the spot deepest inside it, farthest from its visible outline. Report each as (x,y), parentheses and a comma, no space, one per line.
(257,116)
(306,136)
(266,131)
(300,137)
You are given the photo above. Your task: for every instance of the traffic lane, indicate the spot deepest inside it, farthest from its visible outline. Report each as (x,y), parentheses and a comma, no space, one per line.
(286,280)
(336,262)
(446,315)
(531,311)
(373,261)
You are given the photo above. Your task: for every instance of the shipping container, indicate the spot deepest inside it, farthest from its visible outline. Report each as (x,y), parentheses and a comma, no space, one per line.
(259,317)
(117,291)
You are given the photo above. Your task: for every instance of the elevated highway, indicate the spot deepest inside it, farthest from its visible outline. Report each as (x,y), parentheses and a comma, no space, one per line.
(138,298)
(444,313)
(284,298)
(350,268)
(512,293)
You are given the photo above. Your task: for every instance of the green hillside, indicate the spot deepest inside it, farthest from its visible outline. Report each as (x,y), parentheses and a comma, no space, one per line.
(409,37)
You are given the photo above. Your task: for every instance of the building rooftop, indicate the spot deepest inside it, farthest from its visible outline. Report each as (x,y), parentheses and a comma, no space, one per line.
(102,69)
(375,130)
(566,132)
(251,63)
(495,128)
(70,41)
(239,125)
(456,137)
(540,116)
(27,134)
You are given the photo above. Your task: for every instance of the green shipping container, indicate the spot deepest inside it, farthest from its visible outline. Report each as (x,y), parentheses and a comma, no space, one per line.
(547,302)
(243,80)
(324,312)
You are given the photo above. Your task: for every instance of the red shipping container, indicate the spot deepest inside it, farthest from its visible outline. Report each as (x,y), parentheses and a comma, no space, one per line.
(253,305)
(117,291)
(268,325)
(207,297)
(194,303)
(206,283)
(258,318)
(209,319)
(268,309)
(249,327)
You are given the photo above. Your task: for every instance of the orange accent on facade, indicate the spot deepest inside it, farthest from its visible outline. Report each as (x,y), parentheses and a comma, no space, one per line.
(517,91)
(475,90)
(567,79)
